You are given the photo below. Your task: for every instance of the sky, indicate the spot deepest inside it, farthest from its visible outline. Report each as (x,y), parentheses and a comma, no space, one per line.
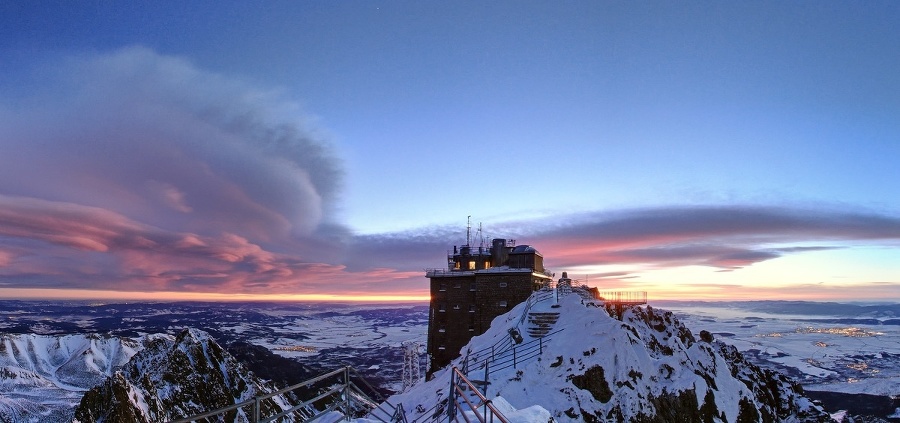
(333,151)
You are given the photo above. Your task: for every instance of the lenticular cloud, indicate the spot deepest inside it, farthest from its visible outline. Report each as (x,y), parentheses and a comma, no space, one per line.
(132,154)
(160,139)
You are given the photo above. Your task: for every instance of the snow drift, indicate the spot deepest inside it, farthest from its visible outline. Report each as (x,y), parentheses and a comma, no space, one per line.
(635,364)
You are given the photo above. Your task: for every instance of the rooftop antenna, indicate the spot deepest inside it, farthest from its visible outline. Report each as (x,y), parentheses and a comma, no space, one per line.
(468,230)
(481,235)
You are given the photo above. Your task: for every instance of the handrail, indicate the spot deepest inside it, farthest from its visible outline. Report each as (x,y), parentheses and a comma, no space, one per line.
(455,377)
(283,413)
(255,402)
(505,343)
(520,353)
(367,384)
(505,359)
(216,412)
(517,354)
(538,296)
(615,297)
(439,272)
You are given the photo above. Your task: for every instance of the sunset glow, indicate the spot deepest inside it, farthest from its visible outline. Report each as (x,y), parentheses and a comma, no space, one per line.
(334,151)
(119,296)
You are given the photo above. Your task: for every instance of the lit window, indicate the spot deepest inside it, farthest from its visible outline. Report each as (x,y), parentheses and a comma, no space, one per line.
(456,265)
(487,265)
(472,265)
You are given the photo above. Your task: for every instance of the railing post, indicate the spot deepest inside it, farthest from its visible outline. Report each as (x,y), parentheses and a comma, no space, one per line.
(486,374)
(514,357)
(256,409)
(465,368)
(347,411)
(541,345)
(451,399)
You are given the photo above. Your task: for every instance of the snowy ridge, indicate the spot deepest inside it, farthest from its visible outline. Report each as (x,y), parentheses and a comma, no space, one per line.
(175,377)
(642,365)
(76,360)
(42,377)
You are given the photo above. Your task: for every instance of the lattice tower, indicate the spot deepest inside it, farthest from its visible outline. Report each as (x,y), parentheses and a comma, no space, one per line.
(412,368)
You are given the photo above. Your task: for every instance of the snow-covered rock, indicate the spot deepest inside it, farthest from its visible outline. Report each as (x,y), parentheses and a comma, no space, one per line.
(77,360)
(637,364)
(42,377)
(176,377)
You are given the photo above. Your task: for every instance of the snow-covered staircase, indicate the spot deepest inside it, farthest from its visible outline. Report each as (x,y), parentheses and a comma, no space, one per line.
(540,323)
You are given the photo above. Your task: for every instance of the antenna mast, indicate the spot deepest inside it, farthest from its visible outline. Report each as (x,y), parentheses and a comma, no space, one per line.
(468,230)
(480,236)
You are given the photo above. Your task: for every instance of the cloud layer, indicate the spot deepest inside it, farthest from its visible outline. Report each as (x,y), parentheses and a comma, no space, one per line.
(134,171)
(140,171)
(721,237)
(726,237)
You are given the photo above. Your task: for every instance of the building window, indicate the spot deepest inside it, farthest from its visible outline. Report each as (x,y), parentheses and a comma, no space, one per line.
(456,265)
(487,264)
(471,328)
(502,303)
(471,308)
(442,307)
(443,287)
(503,284)
(442,329)
(472,286)
(457,284)
(442,348)
(472,265)
(456,307)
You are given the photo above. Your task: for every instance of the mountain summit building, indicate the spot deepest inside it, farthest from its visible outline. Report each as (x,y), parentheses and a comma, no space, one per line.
(479,284)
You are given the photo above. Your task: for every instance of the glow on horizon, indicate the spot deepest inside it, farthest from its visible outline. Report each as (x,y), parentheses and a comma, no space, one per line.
(86,295)
(851,274)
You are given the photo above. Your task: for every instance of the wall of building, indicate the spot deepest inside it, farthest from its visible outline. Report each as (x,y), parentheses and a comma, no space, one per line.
(497,293)
(451,317)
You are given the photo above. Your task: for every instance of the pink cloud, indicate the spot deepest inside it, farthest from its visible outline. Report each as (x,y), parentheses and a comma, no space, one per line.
(136,171)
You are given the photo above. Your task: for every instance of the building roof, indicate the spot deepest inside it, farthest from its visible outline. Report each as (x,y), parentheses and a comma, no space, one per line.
(520,249)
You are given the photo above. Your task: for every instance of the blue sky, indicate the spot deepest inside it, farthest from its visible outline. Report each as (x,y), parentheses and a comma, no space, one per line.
(281,141)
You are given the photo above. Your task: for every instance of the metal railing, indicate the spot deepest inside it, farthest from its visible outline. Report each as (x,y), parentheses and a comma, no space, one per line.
(495,361)
(622,297)
(505,343)
(450,271)
(460,387)
(535,298)
(342,395)
(444,411)
(503,354)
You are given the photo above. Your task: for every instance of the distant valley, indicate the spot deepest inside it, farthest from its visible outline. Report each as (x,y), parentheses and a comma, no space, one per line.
(846,348)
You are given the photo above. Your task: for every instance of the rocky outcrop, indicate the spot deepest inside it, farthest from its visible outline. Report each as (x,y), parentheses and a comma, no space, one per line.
(174,378)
